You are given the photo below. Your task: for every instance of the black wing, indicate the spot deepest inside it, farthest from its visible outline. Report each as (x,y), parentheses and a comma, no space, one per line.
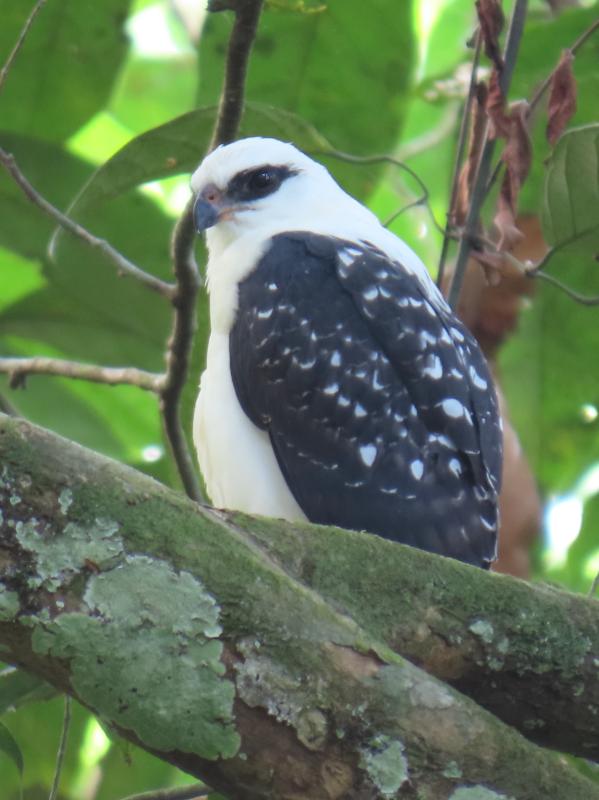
(378,402)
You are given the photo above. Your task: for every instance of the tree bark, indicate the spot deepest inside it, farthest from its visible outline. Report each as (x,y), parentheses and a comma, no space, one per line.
(191,632)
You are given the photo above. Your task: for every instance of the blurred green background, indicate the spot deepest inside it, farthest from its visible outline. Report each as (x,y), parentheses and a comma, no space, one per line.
(108,108)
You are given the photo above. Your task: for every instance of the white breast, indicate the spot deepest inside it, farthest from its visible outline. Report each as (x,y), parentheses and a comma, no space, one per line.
(236,458)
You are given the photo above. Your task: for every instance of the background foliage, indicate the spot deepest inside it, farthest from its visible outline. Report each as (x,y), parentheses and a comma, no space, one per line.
(108,108)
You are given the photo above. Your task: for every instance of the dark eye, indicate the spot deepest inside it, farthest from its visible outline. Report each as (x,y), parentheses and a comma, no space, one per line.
(261,181)
(254,184)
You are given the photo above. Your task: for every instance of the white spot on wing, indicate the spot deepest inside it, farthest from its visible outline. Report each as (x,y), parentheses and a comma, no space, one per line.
(331,388)
(336,359)
(359,410)
(417,469)
(433,368)
(453,408)
(476,379)
(265,313)
(455,467)
(370,293)
(368,454)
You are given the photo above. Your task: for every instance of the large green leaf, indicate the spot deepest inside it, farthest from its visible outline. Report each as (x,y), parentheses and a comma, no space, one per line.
(570,213)
(66,68)
(346,69)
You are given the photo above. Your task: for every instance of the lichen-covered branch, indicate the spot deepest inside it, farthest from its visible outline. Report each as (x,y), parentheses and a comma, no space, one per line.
(177,626)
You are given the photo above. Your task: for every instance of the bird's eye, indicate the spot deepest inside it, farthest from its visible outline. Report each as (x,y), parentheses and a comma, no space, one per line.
(257,183)
(261,181)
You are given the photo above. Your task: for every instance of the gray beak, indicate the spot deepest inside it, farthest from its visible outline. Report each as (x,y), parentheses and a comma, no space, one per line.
(205,214)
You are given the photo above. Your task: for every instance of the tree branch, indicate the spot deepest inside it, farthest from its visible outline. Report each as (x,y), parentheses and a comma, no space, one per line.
(123,265)
(19,43)
(247,14)
(252,676)
(20,368)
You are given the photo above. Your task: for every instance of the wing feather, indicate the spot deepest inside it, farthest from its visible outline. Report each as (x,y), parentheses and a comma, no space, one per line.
(372,395)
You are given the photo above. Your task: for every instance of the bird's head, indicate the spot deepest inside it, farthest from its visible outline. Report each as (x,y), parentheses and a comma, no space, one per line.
(257,184)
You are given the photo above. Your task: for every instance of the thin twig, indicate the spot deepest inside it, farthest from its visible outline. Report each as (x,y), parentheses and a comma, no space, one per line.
(62,747)
(594,586)
(455,178)
(536,270)
(230,110)
(19,43)
(423,200)
(19,368)
(479,187)
(194,790)
(583,299)
(124,266)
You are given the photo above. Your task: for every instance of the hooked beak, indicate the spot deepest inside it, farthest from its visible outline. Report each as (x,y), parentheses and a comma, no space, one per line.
(208,208)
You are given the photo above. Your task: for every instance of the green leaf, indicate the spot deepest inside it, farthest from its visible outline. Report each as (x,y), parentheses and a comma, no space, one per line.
(17,688)
(571,203)
(66,67)
(10,748)
(346,70)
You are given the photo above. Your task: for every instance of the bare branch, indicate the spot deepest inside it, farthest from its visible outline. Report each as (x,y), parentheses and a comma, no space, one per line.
(19,43)
(230,110)
(479,187)
(123,265)
(19,368)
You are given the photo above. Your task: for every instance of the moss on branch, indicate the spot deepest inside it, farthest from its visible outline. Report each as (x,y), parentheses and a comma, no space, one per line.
(173,622)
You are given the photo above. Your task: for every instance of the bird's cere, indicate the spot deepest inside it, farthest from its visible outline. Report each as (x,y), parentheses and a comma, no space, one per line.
(339,386)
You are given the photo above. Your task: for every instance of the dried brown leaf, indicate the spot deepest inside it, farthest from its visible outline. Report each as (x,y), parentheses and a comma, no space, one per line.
(562,100)
(499,120)
(517,157)
(505,223)
(491,19)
